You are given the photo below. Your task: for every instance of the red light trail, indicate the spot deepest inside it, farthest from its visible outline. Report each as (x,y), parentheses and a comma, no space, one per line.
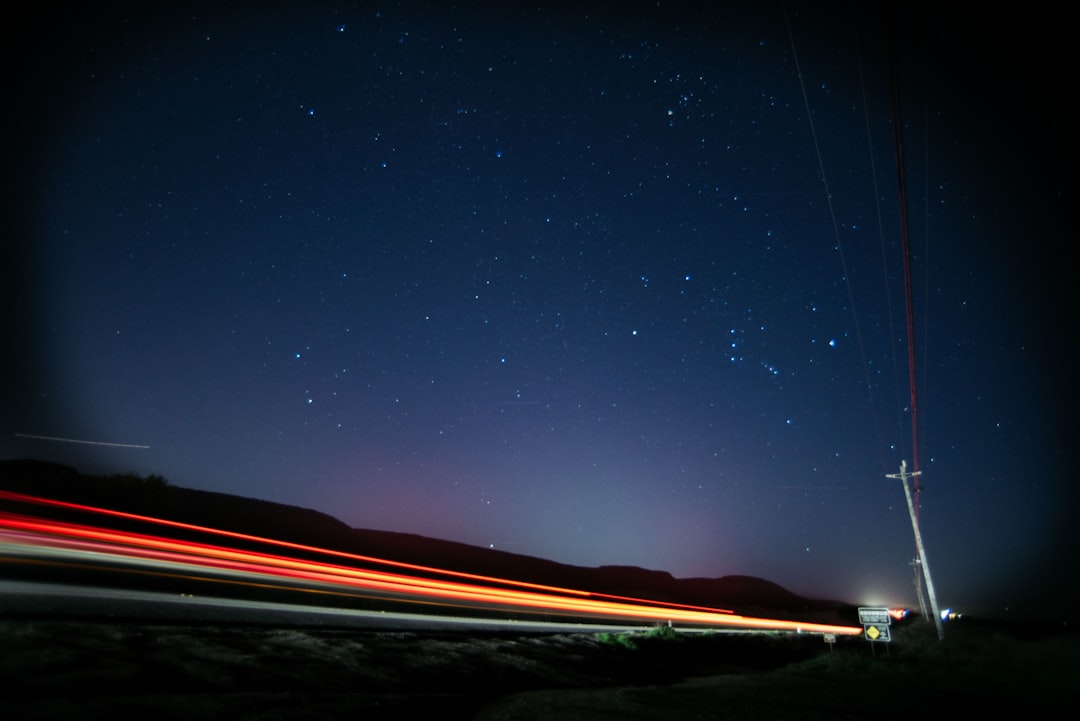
(130,549)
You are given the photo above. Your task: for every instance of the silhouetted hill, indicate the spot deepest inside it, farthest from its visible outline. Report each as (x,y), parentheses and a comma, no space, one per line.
(153,496)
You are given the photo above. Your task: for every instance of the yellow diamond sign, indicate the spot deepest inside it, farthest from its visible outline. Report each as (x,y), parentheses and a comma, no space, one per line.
(876,632)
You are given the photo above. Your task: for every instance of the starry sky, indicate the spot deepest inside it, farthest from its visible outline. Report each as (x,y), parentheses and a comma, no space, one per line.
(599,287)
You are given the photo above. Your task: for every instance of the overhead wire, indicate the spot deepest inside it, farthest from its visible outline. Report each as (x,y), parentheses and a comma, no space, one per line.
(905,240)
(836,235)
(882,243)
(898,146)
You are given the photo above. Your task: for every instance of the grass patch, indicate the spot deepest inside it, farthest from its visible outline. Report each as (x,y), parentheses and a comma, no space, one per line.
(622,640)
(664,633)
(633,640)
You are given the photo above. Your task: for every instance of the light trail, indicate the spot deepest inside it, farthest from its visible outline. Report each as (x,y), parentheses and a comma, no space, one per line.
(125,548)
(122,546)
(76,440)
(20,497)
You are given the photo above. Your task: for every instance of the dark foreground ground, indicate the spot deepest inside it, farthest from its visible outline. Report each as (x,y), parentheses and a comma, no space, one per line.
(54,669)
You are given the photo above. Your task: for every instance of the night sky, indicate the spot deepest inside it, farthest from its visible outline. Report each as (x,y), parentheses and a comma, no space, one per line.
(599,287)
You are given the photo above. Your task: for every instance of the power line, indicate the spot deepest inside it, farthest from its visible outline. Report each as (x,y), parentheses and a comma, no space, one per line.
(905,240)
(836,236)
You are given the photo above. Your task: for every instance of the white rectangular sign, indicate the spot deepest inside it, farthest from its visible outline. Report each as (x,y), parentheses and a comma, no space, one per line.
(874,615)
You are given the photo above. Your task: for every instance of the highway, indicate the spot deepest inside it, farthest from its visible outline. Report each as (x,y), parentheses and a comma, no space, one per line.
(58,601)
(64,561)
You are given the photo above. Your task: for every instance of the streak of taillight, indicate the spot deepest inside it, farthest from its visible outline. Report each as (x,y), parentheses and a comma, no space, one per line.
(351,579)
(248,562)
(24,498)
(162,549)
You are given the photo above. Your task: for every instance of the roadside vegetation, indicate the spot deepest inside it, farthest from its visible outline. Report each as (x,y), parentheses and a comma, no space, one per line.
(631,640)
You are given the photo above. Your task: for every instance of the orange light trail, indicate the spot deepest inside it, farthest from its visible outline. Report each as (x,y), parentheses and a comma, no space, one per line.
(23,498)
(126,547)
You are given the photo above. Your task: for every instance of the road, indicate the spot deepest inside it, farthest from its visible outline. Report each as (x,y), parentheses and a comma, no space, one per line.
(55,600)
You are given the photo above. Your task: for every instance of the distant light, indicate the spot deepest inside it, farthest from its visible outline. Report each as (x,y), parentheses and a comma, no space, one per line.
(832,342)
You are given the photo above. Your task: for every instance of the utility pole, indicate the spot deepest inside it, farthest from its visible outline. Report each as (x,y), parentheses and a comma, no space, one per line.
(904,475)
(916,567)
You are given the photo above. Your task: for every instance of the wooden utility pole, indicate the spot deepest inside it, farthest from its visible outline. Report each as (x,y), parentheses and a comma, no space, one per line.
(904,475)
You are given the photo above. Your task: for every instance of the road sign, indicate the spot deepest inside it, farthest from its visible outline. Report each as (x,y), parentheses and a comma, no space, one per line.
(875,632)
(876,621)
(874,615)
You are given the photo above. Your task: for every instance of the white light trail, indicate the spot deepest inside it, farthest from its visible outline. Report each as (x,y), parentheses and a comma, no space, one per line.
(75,440)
